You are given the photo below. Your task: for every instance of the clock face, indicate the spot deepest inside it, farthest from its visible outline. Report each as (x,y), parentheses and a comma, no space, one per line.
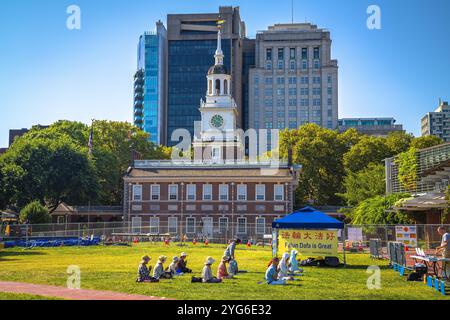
(217,121)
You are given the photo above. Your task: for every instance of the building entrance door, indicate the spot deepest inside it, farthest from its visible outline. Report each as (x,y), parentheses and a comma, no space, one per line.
(208,227)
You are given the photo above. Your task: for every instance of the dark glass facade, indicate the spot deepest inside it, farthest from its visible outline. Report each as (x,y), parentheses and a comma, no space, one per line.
(189,61)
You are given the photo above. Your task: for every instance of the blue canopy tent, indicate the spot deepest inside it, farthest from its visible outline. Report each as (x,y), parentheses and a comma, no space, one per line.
(307,218)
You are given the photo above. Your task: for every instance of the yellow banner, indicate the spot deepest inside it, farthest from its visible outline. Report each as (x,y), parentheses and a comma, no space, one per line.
(309,243)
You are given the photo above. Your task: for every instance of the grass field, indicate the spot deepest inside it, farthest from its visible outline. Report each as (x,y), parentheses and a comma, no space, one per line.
(114,268)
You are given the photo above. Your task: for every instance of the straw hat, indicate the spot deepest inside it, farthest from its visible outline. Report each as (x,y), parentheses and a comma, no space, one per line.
(183,254)
(226,258)
(162,258)
(175,259)
(210,260)
(146,258)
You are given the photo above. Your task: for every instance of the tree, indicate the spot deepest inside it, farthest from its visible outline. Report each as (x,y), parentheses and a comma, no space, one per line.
(48,170)
(426,142)
(320,153)
(377,210)
(368,150)
(398,142)
(34,213)
(365,184)
(407,169)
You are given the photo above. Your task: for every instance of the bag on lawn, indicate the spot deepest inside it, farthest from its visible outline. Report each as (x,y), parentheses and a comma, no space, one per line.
(414,276)
(332,262)
(196,280)
(310,262)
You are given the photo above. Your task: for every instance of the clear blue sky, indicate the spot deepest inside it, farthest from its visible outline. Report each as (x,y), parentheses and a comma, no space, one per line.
(48,72)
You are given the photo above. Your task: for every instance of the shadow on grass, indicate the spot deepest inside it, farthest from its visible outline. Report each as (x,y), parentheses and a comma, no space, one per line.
(8,254)
(342,267)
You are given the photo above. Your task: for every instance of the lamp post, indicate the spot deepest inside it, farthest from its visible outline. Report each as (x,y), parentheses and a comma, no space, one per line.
(181,214)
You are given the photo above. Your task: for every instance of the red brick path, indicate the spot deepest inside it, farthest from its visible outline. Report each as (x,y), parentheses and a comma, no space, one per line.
(65,293)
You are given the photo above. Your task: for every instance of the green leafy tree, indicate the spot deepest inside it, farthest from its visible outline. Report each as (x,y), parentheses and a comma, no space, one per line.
(365,184)
(368,150)
(398,142)
(426,142)
(320,153)
(377,210)
(34,213)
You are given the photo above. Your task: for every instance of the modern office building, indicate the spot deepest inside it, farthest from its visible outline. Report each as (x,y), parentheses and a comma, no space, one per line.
(191,45)
(150,83)
(381,127)
(437,123)
(294,80)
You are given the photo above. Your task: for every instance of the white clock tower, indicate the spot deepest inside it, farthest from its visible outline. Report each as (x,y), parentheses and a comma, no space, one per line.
(218,141)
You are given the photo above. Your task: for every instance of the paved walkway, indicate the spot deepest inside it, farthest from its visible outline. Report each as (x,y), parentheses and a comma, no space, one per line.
(64,293)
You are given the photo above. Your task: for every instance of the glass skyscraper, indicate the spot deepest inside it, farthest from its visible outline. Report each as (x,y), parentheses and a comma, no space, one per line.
(150,84)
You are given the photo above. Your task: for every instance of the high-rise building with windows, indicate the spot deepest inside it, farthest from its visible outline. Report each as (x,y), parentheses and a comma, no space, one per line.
(380,127)
(294,80)
(150,83)
(192,41)
(437,123)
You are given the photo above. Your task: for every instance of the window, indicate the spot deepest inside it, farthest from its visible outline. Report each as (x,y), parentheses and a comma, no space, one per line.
(172,225)
(292,102)
(278,191)
(137,193)
(269,65)
(241,225)
(316,80)
(292,91)
(191,192)
(207,192)
(280,65)
(136,223)
(210,87)
(215,153)
(225,87)
(173,192)
(316,53)
(155,192)
(280,80)
(280,53)
(269,80)
(304,80)
(292,65)
(316,102)
(304,64)
(316,91)
(292,80)
(330,101)
(217,87)
(292,124)
(154,225)
(260,192)
(242,192)
(329,79)
(316,64)
(292,53)
(190,225)
(304,53)
(61,220)
(304,102)
(223,225)
(223,192)
(269,54)
(304,91)
(260,225)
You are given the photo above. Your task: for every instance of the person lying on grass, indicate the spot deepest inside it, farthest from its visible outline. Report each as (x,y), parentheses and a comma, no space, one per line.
(222,269)
(272,273)
(283,268)
(144,271)
(159,272)
(207,276)
(182,263)
(173,267)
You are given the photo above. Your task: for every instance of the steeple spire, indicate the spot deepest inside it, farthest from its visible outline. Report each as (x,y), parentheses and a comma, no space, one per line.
(219,53)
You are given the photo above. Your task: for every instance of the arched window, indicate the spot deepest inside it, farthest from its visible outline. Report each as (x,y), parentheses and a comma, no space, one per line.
(218,87)
(225,87)
(210,87)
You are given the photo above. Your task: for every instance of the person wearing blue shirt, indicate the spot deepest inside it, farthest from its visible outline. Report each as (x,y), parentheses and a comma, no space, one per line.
(272,274)
(444,249)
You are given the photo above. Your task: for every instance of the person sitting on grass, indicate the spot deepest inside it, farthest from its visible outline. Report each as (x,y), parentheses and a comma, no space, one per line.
(294,262)
(272,274)
(173,267)
(159,272)
(182,264)
(222,269)
(232,267)
(283,269)
(207,276)
(144,271)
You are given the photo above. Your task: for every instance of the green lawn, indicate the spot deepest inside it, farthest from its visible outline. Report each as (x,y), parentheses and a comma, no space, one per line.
(15,296)
(114,268)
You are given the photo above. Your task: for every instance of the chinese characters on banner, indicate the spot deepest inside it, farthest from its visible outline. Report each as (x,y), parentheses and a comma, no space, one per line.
(406,235)
(309,243)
